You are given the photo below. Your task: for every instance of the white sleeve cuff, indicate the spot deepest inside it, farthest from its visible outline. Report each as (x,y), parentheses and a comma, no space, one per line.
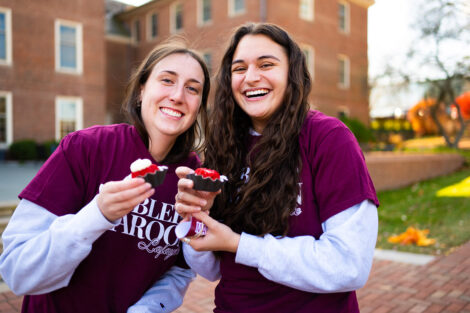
(89,223)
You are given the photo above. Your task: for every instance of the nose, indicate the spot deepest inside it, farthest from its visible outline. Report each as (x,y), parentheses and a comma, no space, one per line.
(252,74)
(177,94)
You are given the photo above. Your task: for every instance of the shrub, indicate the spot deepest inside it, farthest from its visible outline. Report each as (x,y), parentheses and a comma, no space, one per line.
(362,132)
(23,150)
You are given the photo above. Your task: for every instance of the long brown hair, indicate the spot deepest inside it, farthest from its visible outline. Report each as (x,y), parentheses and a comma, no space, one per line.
(186,142)
(264,203)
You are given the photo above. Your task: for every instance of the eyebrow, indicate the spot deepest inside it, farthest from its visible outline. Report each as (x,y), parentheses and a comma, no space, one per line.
(259,58)
(194,80)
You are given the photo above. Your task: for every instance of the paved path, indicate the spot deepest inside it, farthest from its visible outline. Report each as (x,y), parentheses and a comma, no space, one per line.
(441,286)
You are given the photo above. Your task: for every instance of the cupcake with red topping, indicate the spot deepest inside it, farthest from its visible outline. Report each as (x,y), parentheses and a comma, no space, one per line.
(207,180)
(152,173)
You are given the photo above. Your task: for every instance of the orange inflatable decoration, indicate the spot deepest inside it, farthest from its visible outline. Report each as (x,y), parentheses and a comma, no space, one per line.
(464,103)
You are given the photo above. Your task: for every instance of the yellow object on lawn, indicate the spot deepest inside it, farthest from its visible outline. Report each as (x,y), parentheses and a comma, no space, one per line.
(461,189)
(413,235)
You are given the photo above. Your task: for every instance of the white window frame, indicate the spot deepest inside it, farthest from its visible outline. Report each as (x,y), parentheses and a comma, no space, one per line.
(309,14)
(79,48)
(173,6)
(200,13)
(150,36)
(310,60)
(78,111)
(8,37)
(231,8)
(9,119)
(347,17)
(345,84)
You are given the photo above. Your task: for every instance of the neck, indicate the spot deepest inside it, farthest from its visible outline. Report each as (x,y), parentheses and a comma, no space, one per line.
(160,147)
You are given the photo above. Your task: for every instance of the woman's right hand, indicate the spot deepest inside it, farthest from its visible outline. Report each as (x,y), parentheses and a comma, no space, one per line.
(117,198)
(189,200)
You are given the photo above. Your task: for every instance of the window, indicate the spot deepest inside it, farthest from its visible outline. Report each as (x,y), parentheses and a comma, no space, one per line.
(68,40)
(176,20)
(69,116)
(152,26)
(343,17)
(207,56)
(236,7)
(306,10)
(136,31)
(343,71)
(5,36)
(204,12)
(309,59)
(6,119)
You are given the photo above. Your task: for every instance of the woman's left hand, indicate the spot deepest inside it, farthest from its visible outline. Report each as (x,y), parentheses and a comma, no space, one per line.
(219,237)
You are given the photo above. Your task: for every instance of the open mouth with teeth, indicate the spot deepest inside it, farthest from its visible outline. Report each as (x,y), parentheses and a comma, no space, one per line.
(170,112)
(256,93)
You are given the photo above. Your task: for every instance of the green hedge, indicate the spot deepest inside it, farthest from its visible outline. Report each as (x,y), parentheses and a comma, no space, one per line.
(29,150)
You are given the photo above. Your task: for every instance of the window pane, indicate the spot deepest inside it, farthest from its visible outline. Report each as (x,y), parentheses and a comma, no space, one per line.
(342,16)
(179,16)
(3,118)
(342,65)
(206,10)
(137,30)
(208,60)
(3,37)
(3,47)
(239,5)
(154,25)
(67,117)
(68,47)
(2,22)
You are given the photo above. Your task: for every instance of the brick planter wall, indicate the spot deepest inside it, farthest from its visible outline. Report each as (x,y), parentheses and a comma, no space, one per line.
(390,170)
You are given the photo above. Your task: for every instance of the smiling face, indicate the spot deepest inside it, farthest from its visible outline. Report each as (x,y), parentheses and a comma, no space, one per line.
(171,97)
(259,77)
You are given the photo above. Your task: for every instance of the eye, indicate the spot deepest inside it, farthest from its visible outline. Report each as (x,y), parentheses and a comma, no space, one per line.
(193,90)
(238,69)
(167,80)
(266,65)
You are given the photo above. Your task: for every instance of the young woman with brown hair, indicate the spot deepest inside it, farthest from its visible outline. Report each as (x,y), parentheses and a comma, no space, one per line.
(295,226)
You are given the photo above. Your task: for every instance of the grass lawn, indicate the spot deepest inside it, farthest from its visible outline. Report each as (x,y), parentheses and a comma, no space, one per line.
(447,218)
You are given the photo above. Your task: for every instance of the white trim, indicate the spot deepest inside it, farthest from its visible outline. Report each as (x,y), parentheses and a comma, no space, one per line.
(231,9)
(148,29)
(119,38)
(200,13)
(79,46)
(347,71)
(310,60)
(308,15)
(8,40)
(9,118)
(173,6)
(78,113)
(347,17)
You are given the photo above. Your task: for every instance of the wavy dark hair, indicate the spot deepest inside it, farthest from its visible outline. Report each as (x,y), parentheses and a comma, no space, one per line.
(263,204)
(186,142)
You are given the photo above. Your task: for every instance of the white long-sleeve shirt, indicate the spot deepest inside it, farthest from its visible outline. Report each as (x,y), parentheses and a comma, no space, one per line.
(340,260)
(42,251)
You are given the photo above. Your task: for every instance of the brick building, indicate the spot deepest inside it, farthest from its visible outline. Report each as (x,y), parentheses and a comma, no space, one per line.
(64,64)
(52,68)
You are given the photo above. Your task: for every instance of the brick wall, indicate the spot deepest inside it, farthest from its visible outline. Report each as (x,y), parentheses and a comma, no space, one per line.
(390,170)
(32,78)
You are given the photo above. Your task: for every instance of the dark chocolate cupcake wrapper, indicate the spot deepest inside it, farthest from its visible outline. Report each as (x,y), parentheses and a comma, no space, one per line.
(205,183)
(157,178)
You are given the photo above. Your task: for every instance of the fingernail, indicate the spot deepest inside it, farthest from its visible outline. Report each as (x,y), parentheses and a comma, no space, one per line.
(203,202)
